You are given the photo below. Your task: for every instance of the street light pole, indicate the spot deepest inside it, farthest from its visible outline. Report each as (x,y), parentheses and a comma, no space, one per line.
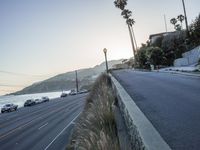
(76,81)
(105,52)
(186,22)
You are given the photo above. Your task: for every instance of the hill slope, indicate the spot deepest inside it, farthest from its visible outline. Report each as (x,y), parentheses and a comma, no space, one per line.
(66,81)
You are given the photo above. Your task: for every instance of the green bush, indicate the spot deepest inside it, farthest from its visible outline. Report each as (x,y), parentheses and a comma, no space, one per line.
(195,32)
(156,56)
(141,58)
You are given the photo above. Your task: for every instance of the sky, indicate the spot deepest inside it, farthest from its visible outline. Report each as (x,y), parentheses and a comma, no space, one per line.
(42,38)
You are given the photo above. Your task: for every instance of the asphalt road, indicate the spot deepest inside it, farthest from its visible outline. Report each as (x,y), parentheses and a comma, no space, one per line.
(45,126)
(170,101)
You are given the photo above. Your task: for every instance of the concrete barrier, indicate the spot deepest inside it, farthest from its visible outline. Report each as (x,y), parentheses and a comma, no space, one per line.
(143,136)
(189,58)
(181,62)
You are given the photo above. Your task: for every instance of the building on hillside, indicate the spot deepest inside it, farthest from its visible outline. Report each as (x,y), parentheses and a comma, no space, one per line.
(154,37)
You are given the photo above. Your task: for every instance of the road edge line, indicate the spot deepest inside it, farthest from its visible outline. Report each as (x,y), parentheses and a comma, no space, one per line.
(142,132)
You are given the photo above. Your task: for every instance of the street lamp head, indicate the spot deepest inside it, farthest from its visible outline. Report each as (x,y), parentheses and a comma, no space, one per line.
(105,50)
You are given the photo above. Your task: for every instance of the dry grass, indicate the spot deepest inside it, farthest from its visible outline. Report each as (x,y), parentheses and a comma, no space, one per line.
(96,128)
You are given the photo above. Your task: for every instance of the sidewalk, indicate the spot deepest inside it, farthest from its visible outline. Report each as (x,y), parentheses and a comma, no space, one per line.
(189,71)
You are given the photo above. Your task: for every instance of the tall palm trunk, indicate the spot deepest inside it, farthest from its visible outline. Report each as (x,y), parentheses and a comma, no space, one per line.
(134,38)
(132,42)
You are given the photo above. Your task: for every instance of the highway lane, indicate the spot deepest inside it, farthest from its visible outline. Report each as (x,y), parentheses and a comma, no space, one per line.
(43,126)
(170,101)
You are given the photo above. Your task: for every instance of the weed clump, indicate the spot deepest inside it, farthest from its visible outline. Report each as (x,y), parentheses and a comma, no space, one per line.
(96,128)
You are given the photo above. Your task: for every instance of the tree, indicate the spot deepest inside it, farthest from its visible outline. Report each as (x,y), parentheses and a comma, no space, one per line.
(156,56)
(181,18)
(178,27)
(173,21)
(173,45)
(142,58)
(120,4)
(126,14)
(130,22)
(195,32)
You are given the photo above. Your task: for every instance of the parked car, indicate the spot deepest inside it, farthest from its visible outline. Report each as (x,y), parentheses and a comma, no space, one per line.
(73,93)
(83,91)
(29,102)
(38,101)
(45,99)
(8,108)
(63,95)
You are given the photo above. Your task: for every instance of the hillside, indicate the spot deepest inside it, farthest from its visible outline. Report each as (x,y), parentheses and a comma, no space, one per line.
(66,81)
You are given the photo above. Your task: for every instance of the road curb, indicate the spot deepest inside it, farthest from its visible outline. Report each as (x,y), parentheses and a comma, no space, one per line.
(181,73)
(142,133)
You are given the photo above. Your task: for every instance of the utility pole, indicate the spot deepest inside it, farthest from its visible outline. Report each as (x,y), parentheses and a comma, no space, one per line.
(186,22)
(105,53)
(76,81)
(165,23)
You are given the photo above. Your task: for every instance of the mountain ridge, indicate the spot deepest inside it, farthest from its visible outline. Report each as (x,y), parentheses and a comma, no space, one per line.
(66,81)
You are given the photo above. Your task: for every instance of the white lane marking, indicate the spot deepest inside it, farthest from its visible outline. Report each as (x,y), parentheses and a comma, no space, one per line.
(43,126)
(61,132)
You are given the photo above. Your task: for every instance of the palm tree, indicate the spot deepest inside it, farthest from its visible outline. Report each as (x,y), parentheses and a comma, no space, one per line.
(126,14)
(181,18)
(120,4)
(173,21)
(131,22)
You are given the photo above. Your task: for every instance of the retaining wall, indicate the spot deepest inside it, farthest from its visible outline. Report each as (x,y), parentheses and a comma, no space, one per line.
(189,58)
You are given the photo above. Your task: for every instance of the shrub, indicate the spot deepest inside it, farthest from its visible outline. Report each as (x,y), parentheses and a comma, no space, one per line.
(96,128)
(156,55)
(195,32)
(141,58)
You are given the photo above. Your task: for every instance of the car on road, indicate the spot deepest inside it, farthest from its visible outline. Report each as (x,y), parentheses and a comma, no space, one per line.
(38,101)
(9,107)
(29,102)
(73,92)
(63,95)
(45,99)
(83,91)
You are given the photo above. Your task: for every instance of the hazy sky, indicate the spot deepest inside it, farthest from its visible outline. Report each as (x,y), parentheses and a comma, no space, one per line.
(46,37)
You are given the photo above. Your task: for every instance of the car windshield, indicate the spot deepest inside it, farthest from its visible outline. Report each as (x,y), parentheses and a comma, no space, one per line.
(8,105)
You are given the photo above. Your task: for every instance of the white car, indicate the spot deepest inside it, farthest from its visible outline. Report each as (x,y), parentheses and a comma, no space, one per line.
(45,99)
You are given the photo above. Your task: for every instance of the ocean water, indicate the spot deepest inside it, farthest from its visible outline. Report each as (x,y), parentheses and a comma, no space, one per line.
(20,99)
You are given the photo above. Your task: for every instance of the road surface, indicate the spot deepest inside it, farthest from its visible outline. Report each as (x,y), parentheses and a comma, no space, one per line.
(171,103)
(45,126)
